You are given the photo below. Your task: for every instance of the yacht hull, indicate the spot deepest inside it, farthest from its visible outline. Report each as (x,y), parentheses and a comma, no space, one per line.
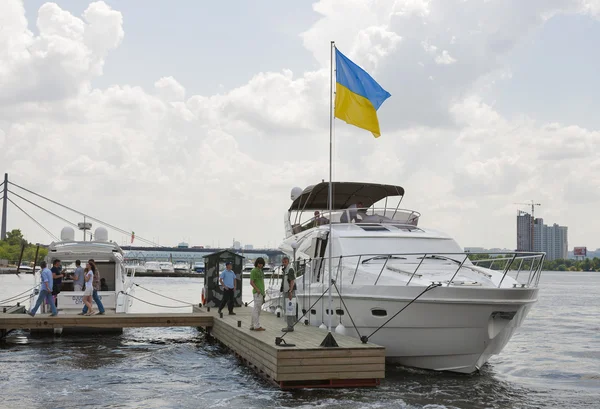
(446,329)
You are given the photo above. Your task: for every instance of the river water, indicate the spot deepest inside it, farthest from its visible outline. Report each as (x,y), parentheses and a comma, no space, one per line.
(552,362)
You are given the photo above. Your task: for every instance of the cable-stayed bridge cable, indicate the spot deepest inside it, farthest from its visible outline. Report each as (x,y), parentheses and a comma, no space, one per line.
(35,221)
(85,215)
(46,210)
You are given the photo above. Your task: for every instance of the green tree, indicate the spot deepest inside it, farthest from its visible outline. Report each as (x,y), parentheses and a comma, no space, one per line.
(10,248)
(15,237)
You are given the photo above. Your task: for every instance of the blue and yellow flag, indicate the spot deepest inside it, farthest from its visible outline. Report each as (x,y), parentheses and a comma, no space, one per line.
(357,95)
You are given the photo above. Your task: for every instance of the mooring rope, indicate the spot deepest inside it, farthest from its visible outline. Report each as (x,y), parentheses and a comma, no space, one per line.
(346,308)
(431,286)
(164,296)
(308,311)
(18,295)
(156,305)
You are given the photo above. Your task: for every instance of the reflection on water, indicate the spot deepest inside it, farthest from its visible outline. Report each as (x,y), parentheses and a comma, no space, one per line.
(553,361)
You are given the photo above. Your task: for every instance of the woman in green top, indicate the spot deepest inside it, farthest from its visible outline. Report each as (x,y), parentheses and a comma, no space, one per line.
(257,281)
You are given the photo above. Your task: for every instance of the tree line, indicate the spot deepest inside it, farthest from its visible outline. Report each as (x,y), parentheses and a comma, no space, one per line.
(10,248)
(587,264)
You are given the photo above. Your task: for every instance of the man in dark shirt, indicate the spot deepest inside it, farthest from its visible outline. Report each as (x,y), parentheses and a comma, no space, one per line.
(57,276)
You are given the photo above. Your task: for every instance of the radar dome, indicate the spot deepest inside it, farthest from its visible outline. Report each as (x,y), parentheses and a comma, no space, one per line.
(101,234)
(296,192)
(67,234)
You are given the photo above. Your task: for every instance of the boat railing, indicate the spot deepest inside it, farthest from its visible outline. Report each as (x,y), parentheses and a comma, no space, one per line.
(524,267)
(369,215)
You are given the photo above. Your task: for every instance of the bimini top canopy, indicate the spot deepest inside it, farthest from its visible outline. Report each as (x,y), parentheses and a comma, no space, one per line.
(344,194)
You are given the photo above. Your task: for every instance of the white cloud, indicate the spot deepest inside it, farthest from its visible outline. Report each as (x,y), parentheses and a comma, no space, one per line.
(169,89)
(444,58)
(214,167)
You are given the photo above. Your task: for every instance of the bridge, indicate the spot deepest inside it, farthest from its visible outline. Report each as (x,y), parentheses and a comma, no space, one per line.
(195,253)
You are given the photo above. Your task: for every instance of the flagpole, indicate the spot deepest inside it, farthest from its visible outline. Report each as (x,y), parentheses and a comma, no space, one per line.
(329,340)
(330,176)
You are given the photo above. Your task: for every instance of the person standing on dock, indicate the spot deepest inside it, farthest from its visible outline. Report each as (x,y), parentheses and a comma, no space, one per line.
(57,277)
(96,288)
(89,289)
(227,280)
(45,291)
(288,288)
(257,281)
(78,278)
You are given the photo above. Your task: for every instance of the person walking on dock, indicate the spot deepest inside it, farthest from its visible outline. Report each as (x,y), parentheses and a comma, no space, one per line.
(96,288)
(57,277)
(78,278)
(288,288)
(45,290)
(227,280)
(257,281)
(89,289)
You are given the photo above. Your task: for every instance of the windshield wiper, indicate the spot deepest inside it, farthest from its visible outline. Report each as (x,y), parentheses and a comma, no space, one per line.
(434,257)
(383,258)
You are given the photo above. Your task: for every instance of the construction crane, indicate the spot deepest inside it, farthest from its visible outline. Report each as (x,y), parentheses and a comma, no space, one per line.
(533,205)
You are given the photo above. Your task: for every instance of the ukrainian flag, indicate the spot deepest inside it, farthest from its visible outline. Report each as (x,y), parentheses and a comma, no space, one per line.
(357,95)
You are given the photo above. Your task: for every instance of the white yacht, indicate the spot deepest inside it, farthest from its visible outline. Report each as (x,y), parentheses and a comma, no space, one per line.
(181,267)
(461,311)
(117,279)
(247,270)
(166,267)
(199,266)
(136,265)
(153,267)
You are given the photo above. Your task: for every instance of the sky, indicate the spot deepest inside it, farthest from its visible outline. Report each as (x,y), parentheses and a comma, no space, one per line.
(192,121)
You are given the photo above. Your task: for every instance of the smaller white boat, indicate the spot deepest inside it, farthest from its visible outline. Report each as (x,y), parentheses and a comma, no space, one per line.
(136,265)
(247,269)
(116,279)
(181,267)
(166,267)
(199,266)
(24,268)
(153,267)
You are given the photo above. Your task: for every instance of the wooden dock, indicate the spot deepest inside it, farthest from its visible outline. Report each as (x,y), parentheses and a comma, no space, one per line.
(304,365)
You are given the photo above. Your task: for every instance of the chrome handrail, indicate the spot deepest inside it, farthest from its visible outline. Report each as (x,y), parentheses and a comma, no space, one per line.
(534,258)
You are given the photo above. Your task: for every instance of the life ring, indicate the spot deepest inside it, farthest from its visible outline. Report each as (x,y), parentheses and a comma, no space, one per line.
(203,297)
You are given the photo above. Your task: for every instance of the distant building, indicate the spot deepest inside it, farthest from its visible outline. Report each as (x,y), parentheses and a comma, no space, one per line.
(248,247)
(553,240)
(589,254)
(523,231)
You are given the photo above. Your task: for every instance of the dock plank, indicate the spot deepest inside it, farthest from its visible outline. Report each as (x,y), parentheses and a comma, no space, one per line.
(24,321)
